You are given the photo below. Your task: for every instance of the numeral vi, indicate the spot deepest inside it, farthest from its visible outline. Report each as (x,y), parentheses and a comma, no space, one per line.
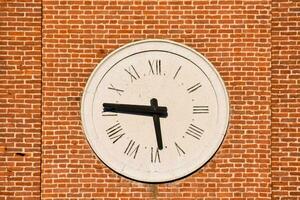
(155,157)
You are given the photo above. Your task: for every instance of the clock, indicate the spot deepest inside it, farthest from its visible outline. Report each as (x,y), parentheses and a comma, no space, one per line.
(155,111)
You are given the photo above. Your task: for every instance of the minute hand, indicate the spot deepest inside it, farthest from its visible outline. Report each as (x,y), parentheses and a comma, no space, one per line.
(135,109)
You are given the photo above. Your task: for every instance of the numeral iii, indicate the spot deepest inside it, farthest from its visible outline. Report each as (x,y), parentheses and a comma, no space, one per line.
(200,109)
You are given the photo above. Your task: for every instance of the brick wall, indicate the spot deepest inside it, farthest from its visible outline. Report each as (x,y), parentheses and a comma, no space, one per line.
(234,35)
(241,38)
(286,99)
(20,99)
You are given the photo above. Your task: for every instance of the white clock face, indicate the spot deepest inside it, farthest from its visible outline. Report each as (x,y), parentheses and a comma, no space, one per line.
(157,142)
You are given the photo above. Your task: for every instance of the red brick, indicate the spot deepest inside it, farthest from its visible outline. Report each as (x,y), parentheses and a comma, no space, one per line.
(283,102)
(253,44)
(22,42)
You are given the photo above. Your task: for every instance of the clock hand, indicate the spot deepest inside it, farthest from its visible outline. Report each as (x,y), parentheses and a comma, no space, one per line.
(156,121)
(135,109)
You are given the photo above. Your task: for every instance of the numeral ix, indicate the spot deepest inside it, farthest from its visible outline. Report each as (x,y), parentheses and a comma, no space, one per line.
(104,114)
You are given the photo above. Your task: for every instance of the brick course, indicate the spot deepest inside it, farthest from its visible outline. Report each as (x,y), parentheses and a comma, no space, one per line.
(253,45)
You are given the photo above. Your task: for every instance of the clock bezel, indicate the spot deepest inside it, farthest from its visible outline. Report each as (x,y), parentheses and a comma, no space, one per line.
(111,57)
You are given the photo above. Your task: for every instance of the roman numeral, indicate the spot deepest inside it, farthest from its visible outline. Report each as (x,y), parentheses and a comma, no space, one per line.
(105,114)
(155,67)
(179,149)
(155,155)
(194,131)
(177,72)
(133,74)
(200,109)
(132,149)
(194,87)
(113,132)
(119,91)
(115,138)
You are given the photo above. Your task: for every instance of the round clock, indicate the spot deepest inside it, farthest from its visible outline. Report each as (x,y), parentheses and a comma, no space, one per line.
(155,111)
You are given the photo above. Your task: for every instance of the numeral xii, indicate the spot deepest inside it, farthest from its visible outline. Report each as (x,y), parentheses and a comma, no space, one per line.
(155,66)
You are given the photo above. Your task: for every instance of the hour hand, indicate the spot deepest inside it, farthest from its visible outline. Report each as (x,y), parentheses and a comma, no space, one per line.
(135,109)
